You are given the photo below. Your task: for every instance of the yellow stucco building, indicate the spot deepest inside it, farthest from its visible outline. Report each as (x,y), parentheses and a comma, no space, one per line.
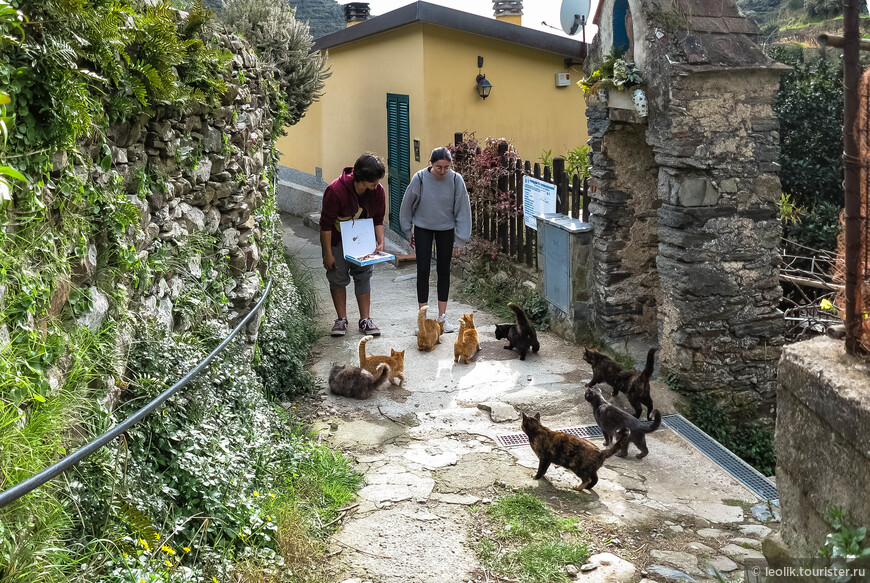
(403,83)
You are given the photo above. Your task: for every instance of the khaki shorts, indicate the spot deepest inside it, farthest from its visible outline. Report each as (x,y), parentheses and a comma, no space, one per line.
(344,270)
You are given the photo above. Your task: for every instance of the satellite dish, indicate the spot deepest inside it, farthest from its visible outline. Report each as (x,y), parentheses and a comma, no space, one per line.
(574,15)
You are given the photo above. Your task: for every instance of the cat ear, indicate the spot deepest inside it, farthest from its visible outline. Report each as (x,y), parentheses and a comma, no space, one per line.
(537,416)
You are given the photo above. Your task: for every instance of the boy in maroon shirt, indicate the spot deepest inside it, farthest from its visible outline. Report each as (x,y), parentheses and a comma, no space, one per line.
(356,194)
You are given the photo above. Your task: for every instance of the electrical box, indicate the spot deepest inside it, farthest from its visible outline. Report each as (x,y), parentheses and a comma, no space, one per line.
(566,246)
(563,79)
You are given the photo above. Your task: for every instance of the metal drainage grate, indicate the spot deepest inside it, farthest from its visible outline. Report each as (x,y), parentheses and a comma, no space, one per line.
(746,474)
(749,476)
(516,439)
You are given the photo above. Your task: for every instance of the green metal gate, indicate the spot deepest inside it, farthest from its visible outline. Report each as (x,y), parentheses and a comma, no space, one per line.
(398,155)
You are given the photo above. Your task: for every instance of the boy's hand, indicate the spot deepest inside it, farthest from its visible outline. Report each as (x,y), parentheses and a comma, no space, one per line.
(329,262)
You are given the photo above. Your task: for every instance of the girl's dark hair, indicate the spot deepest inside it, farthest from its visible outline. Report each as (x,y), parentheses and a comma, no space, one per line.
(368,168)
(441,153)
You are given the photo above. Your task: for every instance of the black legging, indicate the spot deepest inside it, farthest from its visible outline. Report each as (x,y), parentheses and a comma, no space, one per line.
(444,252)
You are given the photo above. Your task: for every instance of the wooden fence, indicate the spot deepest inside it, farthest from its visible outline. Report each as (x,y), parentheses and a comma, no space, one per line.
(497,211)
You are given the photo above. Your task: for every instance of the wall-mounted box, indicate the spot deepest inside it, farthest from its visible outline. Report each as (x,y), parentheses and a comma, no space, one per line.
(563,79)
(566,244)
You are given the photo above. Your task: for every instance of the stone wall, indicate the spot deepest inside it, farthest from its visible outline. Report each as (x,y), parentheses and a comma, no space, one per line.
(684,207)
(203,175)
(822,443)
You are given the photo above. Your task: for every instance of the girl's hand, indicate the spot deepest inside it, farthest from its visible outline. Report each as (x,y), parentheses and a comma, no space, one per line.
(411,241)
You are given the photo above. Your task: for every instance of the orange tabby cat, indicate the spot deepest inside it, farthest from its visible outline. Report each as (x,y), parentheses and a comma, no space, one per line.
(467,343)
(396,362)
(428,331)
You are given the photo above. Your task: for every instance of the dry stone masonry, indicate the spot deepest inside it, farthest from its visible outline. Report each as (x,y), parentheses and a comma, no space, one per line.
(684,202)
(194,175)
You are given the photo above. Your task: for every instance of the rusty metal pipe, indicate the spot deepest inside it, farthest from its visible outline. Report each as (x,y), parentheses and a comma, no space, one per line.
(851,178)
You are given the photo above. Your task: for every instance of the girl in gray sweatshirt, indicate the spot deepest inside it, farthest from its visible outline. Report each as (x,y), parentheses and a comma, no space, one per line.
(436,209)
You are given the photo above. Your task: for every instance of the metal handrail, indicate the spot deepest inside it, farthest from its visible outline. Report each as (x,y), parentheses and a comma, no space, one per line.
(30,484)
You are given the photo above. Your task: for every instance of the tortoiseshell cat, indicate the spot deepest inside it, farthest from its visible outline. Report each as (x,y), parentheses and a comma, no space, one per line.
(428,331)
(576,454)
(611,419)
(521,335)
(396,362)
(467,342)
(635,384)
(355,382)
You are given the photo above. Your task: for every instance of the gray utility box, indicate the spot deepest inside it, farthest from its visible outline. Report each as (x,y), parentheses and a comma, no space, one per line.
(564,251)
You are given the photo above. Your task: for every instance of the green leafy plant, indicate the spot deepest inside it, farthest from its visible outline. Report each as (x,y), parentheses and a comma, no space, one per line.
(613,73)
(846,547)
(576,162)
(789,213)
(818,228)
(809,107)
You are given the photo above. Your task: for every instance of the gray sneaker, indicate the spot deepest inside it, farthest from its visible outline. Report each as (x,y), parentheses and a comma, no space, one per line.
(367,327)
(448,326)
(340,327)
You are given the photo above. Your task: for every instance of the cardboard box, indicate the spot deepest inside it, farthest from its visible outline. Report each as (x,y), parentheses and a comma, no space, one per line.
(358,241)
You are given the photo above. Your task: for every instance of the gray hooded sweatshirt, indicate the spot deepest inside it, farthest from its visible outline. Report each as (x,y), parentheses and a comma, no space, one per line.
(443,205)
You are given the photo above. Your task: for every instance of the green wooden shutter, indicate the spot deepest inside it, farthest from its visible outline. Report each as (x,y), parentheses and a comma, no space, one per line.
(398,155)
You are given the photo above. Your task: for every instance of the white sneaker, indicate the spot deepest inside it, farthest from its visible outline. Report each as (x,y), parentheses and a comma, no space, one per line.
(448,327)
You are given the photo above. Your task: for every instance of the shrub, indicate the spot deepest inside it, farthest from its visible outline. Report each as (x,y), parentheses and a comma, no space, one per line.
(284,44)
(819,228)
(809,108)
(285,338)
(747,439)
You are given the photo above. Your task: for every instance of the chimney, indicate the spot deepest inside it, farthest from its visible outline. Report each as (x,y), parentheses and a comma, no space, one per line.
(356,12)
(508,11)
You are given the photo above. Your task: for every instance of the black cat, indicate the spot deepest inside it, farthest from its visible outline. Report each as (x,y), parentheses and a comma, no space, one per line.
(635,384)
(521,335)
(612,420)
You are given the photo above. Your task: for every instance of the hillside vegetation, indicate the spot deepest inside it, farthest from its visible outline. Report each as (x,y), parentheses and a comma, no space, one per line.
(799,21)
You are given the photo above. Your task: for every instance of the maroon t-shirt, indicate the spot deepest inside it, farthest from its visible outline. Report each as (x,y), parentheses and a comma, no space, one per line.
(341,203)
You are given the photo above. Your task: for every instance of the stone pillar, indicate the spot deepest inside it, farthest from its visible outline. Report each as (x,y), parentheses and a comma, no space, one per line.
(718,233)
(686,230)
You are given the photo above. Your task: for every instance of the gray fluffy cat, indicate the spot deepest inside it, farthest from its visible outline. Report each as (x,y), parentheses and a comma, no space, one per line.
(355,382)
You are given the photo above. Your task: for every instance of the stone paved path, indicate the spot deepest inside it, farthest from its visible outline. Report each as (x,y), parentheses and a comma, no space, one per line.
(429,454)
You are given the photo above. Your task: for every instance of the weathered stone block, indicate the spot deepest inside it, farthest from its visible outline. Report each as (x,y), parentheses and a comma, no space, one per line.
(697,192)
(823,403)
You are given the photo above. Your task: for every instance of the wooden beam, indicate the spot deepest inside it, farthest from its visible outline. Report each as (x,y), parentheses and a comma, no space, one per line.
(810,282)
(833,40)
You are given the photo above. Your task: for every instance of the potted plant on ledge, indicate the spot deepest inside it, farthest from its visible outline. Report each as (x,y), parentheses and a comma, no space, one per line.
(618,83)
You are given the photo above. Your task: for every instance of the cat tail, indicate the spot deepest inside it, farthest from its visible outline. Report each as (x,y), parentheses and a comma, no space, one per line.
(384,376)
(522,319)
(623,436)
(362,351)
(650,363)
(421,316)
(654,424)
